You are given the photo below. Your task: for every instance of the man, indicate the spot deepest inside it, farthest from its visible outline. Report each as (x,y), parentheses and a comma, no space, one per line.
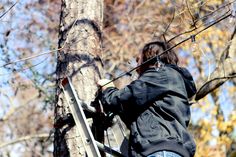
(155,107)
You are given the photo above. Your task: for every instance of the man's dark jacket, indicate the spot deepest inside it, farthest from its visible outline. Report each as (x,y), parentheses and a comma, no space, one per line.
(155,108)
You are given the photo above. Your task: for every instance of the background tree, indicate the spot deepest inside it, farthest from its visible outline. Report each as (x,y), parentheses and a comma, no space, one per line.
(27,88)
(30,29)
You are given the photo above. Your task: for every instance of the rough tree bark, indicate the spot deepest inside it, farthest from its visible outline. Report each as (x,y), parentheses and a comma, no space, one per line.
(78,58)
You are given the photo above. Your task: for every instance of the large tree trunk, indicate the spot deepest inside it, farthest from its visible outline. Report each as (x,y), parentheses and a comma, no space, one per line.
(78,58)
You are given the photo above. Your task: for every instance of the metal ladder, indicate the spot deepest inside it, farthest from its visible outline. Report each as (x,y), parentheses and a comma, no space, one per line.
(77,107)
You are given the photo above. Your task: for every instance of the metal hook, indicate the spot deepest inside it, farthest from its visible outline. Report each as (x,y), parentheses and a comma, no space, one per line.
(159,64)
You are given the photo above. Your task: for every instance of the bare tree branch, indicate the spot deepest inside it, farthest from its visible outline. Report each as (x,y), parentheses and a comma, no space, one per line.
(225,53)
(168,26)
(30,57)
(216,10)
(25,138)
(23,69)
(211,85)
(195,28)
(217,80)
(8,9)
(190,13)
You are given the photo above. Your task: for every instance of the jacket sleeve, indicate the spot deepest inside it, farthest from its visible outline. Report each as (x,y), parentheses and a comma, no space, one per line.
(136,95)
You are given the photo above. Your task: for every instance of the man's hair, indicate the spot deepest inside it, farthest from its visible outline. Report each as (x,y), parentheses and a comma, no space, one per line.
(158,47)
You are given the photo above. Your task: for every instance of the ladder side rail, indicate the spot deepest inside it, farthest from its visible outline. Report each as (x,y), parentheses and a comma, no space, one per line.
(75,106)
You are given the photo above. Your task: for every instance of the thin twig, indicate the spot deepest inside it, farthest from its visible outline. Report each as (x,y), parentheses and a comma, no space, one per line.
(168,26)
(25,138)
(186,32)
(23,69)
(172,19)
(216,10)
(30,57)
(195,28)
(8,9)
(216,21)
(179,14)
(192,17)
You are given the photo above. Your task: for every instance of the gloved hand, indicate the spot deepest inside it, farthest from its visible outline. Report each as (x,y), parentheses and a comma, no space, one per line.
(106,117)
(103,82)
